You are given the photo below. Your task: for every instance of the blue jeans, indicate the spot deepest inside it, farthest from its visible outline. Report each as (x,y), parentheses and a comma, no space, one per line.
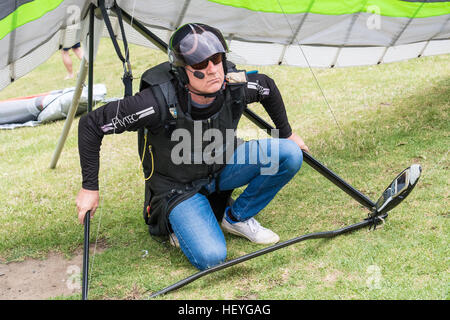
(265,165)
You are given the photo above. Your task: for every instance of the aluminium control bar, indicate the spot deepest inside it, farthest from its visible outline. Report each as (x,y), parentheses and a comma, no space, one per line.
(315,164)
(317,235)
(85,279)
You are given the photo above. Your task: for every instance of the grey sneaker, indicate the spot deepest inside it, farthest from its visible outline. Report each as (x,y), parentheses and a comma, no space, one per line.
(252,230)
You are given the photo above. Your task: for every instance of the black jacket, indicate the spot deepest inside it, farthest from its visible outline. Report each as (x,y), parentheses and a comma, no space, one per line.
(142,110)
(147,112)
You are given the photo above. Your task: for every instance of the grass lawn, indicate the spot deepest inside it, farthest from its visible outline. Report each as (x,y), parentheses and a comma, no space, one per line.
(388,117)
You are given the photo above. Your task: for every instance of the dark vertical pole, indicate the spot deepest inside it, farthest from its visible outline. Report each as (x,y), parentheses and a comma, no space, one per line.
(87,220)
(91,58)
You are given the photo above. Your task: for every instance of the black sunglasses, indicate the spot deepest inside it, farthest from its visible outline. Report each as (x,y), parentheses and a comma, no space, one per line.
(215,58)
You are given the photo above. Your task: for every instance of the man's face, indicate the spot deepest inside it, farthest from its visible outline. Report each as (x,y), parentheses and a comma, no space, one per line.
(214,74)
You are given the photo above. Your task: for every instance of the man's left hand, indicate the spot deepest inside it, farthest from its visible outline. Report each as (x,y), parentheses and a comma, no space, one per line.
(299,141)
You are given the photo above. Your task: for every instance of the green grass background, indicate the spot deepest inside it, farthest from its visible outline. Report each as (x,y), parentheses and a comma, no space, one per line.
(390,116)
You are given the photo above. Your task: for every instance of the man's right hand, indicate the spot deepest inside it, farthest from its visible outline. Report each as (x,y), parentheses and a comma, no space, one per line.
(86,200)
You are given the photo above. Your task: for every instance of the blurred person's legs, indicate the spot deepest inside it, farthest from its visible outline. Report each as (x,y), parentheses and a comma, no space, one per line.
(67,63)
(78,50)
(67,60)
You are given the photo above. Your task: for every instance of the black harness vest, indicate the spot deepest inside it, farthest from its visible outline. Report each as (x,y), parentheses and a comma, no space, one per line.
(207,145)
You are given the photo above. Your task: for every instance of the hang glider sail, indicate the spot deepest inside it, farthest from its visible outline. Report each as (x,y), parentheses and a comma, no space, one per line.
(316,33)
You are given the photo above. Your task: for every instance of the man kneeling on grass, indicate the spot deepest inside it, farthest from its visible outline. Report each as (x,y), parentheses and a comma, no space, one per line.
(197,97)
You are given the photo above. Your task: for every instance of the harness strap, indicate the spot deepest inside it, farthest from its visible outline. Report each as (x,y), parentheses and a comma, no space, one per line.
(160,99)
(127,75)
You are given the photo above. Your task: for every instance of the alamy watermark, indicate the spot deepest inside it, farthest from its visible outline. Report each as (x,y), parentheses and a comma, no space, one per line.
(73,14)
(73,281)
(373,22)
(212,146)
(374,277)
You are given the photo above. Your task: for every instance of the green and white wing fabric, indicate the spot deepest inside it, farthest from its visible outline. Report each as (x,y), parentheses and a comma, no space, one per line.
(319,33)
(31,31)
(331,32)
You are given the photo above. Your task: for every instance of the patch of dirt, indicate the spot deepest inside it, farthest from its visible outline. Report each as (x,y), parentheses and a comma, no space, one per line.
(34,279)
(332,277)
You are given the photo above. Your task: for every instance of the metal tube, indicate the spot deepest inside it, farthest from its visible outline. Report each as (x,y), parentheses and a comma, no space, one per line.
(317,235)
(84,69)
(72,111)
(139,27)
(84,291)
(87,217)
(91,59)
(319,167)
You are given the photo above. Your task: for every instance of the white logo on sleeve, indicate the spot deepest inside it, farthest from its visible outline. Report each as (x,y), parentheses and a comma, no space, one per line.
(128,120)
